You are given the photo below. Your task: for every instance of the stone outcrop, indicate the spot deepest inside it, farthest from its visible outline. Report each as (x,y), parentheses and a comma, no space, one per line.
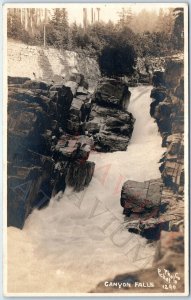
(168,110)
(80,107)
(141,198)
(109,121)
(143,205)
(72,153)
(42,157)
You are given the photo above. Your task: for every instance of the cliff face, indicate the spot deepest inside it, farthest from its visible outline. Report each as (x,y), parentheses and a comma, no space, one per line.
(168,112)
(47,64)
(42,156)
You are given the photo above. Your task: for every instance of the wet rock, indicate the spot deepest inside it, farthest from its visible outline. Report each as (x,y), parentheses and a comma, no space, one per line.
(111,128)
(179,91)
(63,99)
(79,174)
(108,142)
(79,113)
(158,79)
(71,148)
(169,115)
(159,94)
(111,92)
(141,198)
(29,185)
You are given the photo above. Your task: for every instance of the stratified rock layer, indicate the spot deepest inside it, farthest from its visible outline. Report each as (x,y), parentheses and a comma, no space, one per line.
(38,167)
(109,121)
(168,110)
(51,130)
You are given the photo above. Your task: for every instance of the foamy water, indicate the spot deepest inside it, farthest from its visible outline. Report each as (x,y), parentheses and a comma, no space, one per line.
(80,240)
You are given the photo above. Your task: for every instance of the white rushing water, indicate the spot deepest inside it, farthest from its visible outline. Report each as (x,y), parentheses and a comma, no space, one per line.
(74,243)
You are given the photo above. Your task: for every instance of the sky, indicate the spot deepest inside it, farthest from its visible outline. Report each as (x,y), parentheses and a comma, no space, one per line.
(108,11)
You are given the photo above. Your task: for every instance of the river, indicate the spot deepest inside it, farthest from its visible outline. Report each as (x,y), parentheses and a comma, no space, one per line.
(80,240)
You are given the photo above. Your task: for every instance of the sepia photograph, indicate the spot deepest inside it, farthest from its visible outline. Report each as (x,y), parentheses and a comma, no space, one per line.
(96,149)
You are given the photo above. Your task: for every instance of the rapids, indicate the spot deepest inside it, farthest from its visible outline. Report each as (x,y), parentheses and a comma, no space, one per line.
(80,240)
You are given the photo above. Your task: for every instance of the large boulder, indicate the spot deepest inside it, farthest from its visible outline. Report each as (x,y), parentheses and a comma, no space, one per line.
(141,198)
(109,142)
(112,93)
(111,128)
(73,147)
(78,115)
(79,174)
(159,94)
(75,152)
(158,79)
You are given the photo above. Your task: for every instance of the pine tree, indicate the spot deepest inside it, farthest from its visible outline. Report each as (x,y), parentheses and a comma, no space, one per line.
(58,29)
(125,17)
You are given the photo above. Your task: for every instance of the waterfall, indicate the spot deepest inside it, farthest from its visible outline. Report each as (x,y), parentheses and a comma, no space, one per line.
(81,239)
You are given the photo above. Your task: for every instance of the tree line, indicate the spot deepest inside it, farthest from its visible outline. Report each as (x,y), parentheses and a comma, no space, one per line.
(142,35)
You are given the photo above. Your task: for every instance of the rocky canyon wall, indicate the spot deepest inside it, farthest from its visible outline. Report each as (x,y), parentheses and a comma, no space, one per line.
(51,130)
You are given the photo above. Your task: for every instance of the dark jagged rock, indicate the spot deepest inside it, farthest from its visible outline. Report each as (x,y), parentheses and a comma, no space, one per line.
(141,198)
(115,128)
(39,164)
(73,147)
(109,142)
(78,115)
(172,169)
(169,115)
(80,174)
(143,205)
(111,92)
(30,184)
(159,94)
(158,79)
(109,123)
